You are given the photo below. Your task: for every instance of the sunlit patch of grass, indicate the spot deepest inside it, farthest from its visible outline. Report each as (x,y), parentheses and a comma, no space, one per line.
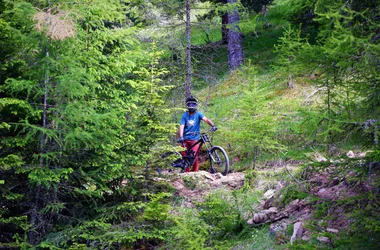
(223,97)
(205,34)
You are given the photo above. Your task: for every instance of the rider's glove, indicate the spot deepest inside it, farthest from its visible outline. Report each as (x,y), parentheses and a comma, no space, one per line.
(181,140)
(214,128)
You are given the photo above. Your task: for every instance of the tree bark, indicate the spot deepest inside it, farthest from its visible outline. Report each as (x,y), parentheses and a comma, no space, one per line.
(35,217)
(224,26)
(235,40)
(188,51)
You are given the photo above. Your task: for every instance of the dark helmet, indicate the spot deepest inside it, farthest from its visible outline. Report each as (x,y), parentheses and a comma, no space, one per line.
(191,104)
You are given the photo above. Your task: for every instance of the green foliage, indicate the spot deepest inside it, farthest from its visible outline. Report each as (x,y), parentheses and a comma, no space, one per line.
(249,179)
(189,232)
(152,126)
(123,224)
(76,114)
(82,116)
(253,125)
(190,182)
(155,210)
(291,193)
(293,50)
(257,238)
(221,213)
(338,66)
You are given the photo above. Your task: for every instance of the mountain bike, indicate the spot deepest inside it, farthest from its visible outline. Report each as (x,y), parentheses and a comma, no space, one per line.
(218,158)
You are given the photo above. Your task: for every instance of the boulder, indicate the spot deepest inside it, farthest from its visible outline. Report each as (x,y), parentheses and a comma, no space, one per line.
(324,239)
(297,231)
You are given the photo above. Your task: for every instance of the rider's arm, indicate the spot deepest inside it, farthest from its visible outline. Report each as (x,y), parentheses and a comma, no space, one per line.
(208,121)
(181,128)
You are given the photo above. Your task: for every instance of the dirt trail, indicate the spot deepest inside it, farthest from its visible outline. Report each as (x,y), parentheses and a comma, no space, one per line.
(195,186)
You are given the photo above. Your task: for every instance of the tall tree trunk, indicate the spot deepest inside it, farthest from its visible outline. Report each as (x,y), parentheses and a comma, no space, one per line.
(35,217)
(188,51)
(235,40)
(224,26)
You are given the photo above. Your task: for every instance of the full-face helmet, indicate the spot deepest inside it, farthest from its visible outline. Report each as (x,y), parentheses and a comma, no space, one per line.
(191,104)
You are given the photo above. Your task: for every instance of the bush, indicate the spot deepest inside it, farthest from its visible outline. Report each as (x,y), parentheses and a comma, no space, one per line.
(221,213)
(189,233)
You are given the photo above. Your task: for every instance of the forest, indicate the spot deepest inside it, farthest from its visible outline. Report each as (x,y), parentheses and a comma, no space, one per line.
(92,92)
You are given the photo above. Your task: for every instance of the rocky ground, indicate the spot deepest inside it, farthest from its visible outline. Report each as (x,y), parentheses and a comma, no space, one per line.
(194,186)
(321,186)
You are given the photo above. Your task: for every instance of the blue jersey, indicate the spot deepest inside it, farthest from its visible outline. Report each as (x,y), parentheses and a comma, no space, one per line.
(192,124)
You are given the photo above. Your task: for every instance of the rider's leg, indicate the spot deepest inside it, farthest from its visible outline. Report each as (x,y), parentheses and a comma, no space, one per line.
(188,144)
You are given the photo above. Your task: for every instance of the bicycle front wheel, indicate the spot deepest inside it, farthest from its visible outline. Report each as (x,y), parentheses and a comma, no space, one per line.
(219,162)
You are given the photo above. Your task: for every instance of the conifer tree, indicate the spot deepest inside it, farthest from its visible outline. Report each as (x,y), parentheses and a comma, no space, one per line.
(343,60)
(254,126)
(65,136)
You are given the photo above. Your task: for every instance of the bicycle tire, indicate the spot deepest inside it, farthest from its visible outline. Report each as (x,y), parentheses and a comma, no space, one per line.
(219,162)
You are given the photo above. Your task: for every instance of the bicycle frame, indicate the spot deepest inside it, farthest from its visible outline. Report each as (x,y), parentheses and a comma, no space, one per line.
(203,140)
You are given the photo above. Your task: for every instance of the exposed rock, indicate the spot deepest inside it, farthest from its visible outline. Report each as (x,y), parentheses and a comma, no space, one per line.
(306,237)
(362,155)
(271,210)
(193,187)
(259,218)
(268,203)
(324,239)
(267,216)
(269,194)
(319,158)
(321,192)
(297,232)
(293,206)
(332,230)
(219,175)
(204,182)
(262,216)
(210,177)
(350,154)
(178,185)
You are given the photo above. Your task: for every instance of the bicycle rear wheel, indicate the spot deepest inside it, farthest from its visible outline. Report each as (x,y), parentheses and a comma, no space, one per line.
(219,162)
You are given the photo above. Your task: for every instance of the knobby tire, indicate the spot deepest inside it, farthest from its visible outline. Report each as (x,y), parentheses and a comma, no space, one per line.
(219,162)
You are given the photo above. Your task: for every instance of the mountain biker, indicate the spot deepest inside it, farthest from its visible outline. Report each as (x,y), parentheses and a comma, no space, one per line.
(190,127)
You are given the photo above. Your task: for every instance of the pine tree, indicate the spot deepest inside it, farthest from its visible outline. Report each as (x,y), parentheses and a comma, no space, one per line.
(254,126)
(63,113)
